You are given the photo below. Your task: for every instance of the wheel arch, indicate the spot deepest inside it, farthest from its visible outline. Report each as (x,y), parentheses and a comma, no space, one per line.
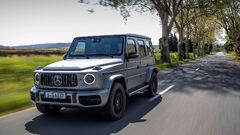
(116,78)
(149,73)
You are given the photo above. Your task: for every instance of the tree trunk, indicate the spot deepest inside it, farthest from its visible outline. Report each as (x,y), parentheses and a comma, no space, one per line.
(180,42)
(180,45)
(187,49)
(165,56)
(194,50)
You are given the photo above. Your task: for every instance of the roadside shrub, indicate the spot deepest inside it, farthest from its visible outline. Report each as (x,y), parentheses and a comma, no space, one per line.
(229,46)
(237,47)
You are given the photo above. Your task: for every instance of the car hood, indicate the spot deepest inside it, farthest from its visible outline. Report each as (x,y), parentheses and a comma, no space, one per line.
(81,64)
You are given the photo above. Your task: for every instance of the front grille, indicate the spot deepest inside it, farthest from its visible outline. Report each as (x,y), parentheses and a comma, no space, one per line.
(67,100)
(64,80)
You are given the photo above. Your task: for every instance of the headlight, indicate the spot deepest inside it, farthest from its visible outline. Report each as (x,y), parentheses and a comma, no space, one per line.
(37,78)
(89,79)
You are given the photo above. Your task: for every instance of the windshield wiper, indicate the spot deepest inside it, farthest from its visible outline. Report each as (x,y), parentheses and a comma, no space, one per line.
(101,54)
(78,55)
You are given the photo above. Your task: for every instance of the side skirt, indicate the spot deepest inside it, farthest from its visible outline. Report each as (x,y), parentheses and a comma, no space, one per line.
(143,88)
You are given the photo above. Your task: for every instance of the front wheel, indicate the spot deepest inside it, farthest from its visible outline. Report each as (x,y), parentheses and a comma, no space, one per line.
(47,109)
(153,86)
(117,102)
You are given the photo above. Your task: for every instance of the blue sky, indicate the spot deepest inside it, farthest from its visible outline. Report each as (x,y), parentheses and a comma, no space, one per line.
(24,22)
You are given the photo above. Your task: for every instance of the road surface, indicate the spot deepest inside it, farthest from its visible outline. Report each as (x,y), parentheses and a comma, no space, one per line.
(198,98)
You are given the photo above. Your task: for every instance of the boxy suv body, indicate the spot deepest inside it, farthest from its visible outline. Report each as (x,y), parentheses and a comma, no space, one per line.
(97,71)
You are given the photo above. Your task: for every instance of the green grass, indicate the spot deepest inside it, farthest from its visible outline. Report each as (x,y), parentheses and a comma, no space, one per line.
(234,56)
(16,79)
(174,61)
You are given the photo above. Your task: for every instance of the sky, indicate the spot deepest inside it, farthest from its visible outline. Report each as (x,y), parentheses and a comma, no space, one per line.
(25,22)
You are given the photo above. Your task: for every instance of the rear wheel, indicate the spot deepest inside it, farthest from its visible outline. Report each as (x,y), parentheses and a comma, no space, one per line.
(153,86)
(48,109)
(117,102)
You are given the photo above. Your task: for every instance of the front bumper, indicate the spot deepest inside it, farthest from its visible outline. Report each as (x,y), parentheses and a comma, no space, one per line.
(74,98)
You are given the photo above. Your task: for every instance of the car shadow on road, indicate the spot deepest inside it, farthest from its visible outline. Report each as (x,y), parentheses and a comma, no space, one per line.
(78,121)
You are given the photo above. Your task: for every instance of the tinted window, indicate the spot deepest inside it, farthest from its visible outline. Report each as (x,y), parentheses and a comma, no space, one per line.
(142,50)
(149,48)
(96,46)
(131,47)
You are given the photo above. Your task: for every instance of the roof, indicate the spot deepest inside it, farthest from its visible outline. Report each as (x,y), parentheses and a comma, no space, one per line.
(129,34)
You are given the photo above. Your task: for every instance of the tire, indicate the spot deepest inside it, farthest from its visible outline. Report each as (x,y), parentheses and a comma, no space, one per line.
(47,109)
(116,105)
(153,86)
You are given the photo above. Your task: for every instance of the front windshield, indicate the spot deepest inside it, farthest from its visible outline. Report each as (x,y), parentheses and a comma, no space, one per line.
(97,46)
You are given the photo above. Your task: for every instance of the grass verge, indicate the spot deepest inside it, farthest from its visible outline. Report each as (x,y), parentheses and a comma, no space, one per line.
(234,56)
(16,79)
(174,61)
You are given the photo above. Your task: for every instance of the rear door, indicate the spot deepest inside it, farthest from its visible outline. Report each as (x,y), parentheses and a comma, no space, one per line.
(133,74)
(143,60)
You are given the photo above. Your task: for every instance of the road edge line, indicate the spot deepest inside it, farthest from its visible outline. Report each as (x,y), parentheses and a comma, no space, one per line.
(10,114)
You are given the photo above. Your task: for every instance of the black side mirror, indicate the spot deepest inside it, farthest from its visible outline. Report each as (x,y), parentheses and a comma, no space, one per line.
(65,56)
(132,55)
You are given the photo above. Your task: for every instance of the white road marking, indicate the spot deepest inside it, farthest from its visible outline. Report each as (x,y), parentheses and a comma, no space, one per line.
(166,90)
(162,92)
(14,113)
(197,69)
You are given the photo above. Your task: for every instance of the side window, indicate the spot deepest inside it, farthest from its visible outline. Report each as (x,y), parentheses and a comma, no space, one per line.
(149,48)
(142,50)
(131,46)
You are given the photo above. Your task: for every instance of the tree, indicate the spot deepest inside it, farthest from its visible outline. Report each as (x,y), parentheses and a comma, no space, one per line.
(229,18)
(167,10)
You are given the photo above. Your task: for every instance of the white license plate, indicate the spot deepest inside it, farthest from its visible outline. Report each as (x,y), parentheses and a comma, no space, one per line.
(55,95)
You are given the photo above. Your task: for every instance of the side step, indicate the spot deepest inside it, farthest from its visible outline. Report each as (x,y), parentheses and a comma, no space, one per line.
(139,90)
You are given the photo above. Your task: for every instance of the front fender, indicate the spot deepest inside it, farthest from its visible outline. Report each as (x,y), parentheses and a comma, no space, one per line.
(110,79)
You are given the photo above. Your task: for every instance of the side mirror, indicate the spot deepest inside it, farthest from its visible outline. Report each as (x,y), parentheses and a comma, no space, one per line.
(65,56)
(132,55)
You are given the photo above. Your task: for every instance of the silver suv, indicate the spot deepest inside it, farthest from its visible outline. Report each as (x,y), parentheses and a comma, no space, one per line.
(97,71)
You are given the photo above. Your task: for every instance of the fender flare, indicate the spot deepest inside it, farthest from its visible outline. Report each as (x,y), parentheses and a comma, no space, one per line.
(149,73)
(111,79)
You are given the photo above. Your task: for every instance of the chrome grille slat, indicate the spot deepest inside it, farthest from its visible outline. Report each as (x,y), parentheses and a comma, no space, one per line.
(68,80)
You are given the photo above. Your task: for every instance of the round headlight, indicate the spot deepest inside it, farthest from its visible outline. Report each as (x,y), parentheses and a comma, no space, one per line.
(37,79)
(89,79)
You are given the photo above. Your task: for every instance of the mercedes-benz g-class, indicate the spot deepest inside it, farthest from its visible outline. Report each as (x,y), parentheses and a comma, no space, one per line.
(97,71)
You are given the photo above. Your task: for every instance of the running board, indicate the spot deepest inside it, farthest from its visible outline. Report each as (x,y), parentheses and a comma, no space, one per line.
(138,90)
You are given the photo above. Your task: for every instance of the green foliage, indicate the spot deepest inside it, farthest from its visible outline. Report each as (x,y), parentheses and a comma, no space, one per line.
(229,47)
(16,79)
(174,60)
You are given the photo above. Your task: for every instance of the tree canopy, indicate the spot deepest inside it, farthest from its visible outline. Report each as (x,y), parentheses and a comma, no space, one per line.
(194,20)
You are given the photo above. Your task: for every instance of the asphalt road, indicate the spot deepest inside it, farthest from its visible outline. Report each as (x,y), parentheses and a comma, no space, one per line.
(199,98)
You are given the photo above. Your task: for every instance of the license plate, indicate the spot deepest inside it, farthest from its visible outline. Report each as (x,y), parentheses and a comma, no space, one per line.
(55,95)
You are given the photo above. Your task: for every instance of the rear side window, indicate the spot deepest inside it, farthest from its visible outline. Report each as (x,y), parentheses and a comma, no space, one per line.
(149,48)
(142,50)
(131,46)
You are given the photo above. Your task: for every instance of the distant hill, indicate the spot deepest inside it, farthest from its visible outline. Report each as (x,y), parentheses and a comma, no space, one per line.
(43,46)
(1,46)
